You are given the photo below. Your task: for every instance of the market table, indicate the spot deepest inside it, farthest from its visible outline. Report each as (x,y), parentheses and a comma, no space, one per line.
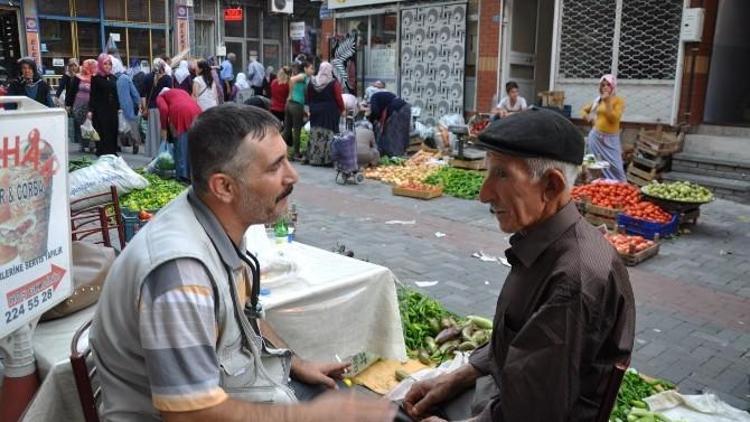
(324,305)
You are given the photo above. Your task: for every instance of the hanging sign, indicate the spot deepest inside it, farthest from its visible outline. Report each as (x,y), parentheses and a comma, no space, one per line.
(233,14)
(183,28)
(34,254)
(297,30)
(32,40)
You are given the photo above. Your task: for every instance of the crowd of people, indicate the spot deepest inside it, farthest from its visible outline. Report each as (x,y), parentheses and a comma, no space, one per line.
(122,107)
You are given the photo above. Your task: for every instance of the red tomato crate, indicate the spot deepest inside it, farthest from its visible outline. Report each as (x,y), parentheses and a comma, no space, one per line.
(647,229)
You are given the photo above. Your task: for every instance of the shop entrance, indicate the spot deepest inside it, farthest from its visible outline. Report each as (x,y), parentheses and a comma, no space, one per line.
(527,46)
(728,92)
(10,44)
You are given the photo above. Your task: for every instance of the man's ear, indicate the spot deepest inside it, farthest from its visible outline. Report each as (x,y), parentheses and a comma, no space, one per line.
(554,184)
(222,187)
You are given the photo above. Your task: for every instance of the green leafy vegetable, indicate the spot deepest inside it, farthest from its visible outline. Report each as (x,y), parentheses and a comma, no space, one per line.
(460,183)
(158,193)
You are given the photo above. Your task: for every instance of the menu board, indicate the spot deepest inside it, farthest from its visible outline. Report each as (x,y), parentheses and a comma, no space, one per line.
(34,213)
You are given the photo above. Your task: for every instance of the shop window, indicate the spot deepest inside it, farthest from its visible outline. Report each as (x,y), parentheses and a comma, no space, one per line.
(139,44)
(159,42)
(234,29)
(84,8)
(158,11)
(137,10)
(55,39)
(272,26)
(114,9)
(54,7)
(252,22)
(252,47)
(89,43)
(272,55)
(204,38)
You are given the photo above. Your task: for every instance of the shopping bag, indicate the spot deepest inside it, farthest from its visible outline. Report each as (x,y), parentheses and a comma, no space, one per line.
(88,132)
(123,126)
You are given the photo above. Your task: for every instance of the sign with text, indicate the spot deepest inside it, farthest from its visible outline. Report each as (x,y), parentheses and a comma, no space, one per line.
(233,14)
(297,30)
(32,39)
(34,254)
(340,4)
(182,31)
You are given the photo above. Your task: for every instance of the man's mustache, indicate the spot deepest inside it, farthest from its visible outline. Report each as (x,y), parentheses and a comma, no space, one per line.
(285,194)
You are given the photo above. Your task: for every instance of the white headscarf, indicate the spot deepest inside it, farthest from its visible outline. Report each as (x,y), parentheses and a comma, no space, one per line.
(324,76)
(241,82)
(182,71)
(117,66)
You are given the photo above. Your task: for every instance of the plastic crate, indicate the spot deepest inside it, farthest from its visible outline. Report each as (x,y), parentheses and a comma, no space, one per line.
(132,223)
(645,228)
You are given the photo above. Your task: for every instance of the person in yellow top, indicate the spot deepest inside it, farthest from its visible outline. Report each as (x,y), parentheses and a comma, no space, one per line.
(603,141)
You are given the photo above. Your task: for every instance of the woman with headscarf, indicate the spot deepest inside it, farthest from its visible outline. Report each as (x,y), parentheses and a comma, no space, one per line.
(241,90)
(177,111)
(326,108)
(154,82)
(205,87)
(78,96)
(30,84)
(67,77)
(129,100)
(391,118)
(269,77)
(604,113)
(182,78)
(104,105)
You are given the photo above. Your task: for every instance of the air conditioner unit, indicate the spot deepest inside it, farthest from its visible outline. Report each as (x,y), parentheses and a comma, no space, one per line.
(282,6)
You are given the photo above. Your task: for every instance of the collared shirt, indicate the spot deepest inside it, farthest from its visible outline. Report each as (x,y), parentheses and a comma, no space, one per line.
(255,74)
(227,71)
(178,326)
(564,318)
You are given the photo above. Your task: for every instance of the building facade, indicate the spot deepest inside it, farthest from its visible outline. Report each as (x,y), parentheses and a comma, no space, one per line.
(52,31)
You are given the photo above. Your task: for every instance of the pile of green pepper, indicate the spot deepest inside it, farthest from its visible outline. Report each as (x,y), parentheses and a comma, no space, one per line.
(78,164)
(158,193)
(460,183)
(633,390)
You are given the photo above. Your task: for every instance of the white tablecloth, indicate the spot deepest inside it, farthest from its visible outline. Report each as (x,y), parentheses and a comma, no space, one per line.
(327,305)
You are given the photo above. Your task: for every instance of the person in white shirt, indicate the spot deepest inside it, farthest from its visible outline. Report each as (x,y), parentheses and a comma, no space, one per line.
(205,90)
(513,103)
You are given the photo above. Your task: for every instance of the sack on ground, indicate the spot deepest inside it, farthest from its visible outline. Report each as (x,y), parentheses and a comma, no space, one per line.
(91,263)
(108,170)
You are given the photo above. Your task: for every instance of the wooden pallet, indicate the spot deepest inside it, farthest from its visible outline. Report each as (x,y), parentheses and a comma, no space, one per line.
(635,259)
(420,194)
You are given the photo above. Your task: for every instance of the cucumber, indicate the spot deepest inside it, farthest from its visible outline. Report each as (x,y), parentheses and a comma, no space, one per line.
(480,322)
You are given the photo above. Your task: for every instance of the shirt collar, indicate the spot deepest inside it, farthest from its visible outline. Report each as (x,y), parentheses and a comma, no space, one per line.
(527,247)
(223,244)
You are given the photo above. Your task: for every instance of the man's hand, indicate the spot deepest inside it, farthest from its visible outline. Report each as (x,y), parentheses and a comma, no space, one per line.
(337,407)
(316,373)
(427,394)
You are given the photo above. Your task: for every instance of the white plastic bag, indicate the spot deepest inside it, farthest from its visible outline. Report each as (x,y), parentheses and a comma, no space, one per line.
(107,171)
(88,132)
(123,127)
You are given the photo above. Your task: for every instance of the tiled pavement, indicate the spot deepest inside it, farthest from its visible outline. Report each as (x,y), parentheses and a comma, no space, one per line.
(693,299)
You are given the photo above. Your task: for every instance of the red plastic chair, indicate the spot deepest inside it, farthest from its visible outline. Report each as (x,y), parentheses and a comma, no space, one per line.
(87,395)
(99,219)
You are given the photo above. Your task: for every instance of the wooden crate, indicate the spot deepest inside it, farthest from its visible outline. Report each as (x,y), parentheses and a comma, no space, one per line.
(640,174)
(637,258)
(602,211)
(598,220)
(659,142)
(648,159)
(469,164)
(420,194)
(689,218)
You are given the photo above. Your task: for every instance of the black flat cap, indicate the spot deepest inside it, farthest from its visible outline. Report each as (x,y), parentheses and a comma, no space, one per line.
(535,133)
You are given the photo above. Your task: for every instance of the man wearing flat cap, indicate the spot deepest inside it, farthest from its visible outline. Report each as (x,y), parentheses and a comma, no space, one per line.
(565,316)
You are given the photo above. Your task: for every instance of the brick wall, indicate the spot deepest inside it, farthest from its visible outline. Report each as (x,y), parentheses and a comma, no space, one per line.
(326,32)
(489,48)
(695,67)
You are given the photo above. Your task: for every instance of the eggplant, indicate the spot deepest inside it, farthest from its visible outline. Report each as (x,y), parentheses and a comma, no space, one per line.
(447,334)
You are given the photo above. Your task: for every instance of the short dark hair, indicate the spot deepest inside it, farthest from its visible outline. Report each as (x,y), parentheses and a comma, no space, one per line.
(510,85)
(216,136)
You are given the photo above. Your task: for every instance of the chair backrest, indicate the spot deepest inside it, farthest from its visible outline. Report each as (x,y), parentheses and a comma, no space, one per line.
(99,219)
(87,395)
(610,394)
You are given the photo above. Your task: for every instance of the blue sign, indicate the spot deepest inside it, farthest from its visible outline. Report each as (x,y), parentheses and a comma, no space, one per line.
(325,12)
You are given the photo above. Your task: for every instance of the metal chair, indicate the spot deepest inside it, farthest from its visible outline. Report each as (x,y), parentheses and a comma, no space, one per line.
(87,395)
(100,219)
(610,394)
